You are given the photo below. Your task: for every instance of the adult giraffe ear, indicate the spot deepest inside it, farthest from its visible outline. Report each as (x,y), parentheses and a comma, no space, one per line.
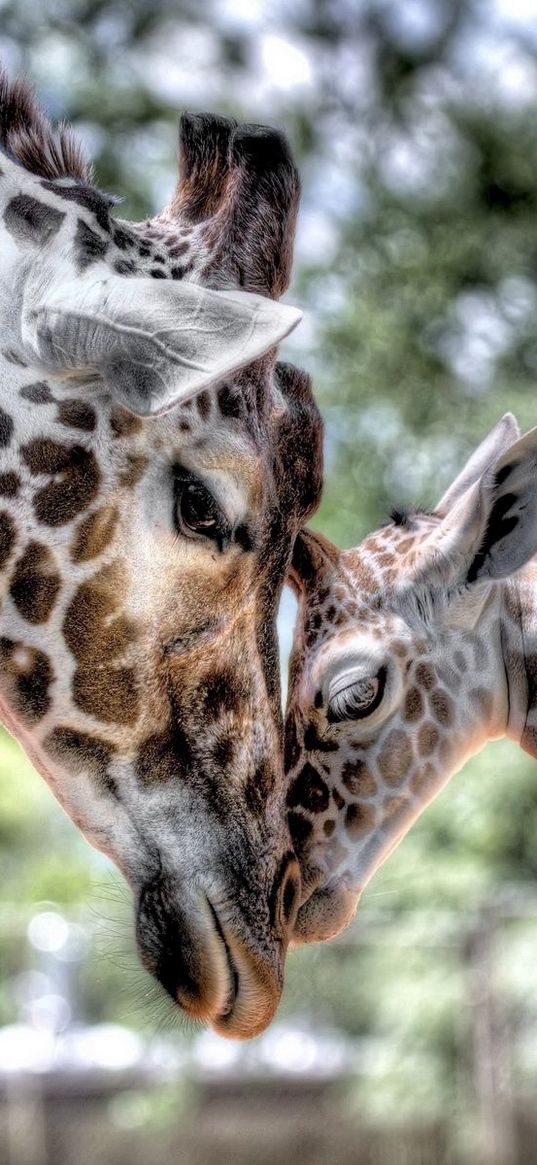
(491,532)
(154,344)
(314,558)
(500,437)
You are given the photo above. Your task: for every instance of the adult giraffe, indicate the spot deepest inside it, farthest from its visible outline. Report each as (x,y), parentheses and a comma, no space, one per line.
(411,652)
(145,530)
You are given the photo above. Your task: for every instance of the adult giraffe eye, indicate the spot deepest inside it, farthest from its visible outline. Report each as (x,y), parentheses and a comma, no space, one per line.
(197,514)
(352,699)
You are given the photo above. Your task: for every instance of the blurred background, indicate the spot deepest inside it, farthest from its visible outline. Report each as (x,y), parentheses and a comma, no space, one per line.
(413,1039)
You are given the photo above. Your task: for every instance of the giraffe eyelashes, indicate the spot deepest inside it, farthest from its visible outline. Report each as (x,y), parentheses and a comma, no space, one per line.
(197,514)
(350,699)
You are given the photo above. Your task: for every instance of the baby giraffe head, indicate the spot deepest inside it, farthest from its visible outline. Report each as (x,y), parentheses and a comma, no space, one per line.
(155,466)
(408,657)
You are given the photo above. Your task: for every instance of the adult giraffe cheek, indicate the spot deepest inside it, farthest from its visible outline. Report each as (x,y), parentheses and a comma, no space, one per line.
(325,914)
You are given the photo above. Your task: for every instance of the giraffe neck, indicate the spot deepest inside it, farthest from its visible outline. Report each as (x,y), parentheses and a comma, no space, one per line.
(519,641)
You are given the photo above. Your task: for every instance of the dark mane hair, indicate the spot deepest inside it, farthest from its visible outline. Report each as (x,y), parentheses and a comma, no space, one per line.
(300,442)
(26,135)
(407,518)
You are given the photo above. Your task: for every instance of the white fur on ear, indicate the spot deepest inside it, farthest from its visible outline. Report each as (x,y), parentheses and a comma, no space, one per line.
(490,532)
(500,437)
(508,493)
(154,344)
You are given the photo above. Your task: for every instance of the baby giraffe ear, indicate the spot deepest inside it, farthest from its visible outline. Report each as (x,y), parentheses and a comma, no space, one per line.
(500,437)
(491,532)
(314,558)
(508,504)
(154,344)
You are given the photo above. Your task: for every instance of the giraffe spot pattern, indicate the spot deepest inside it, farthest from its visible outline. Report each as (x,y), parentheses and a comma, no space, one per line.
(393,807)
(94,534)
(6,429)
(89,246)
(338,800)
(27,675)
(77,470)
(291,745)
(229,401)
(31,221)
(133,470)
(7,537)
(163,756)
(315,743)
(78,414)
(123,423)
(300,828)
(124,239)
(394,757)
(87,197)
(82,752)
(109,694)
(35,583)
(222,693)
(258,787)
(309,791)
(99,635)
(38,393)
(413,705)
(203,405)
(222,751)
(359,819)
(9,484)
(425,676)
(358,779)
(125,267)
(441,706)
(428,738)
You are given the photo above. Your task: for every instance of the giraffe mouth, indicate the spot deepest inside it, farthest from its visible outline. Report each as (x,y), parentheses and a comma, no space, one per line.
(232,969)
(254,983)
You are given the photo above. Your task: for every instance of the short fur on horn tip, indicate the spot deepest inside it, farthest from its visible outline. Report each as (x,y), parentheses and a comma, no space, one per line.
(261,147)
(204,128)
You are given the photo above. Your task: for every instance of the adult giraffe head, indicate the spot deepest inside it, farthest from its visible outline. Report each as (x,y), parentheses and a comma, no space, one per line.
(411,652)
(145,530)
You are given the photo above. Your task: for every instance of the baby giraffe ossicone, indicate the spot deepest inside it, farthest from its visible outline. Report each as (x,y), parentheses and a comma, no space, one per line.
(411,652)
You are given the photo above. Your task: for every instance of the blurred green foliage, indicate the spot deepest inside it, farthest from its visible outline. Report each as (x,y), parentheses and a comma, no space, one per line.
(416,130)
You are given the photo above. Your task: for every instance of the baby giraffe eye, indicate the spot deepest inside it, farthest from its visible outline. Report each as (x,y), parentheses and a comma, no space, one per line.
(197,514)
(350,699)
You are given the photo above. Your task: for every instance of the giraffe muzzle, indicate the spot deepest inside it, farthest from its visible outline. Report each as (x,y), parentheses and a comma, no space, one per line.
(206,962)
(325,914)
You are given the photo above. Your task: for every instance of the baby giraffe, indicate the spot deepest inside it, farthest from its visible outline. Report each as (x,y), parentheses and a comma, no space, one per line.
(411,652)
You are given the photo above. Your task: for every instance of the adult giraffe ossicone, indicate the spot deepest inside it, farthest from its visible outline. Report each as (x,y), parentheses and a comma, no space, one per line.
(411,652)
(145,530)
